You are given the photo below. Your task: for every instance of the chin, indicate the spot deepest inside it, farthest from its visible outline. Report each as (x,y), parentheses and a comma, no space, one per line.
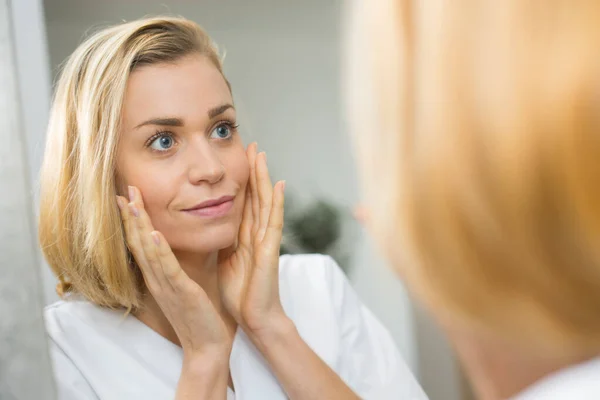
(207,240)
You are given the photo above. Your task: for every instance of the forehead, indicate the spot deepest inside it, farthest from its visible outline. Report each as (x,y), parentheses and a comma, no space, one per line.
(186,88)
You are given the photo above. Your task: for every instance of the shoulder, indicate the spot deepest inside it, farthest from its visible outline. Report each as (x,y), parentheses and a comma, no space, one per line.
(314,271)
(73,315)
(92,347)
(578,382)
(62,314)
(311,279)
(334,322)
(68,325)
(63,308)
(306,286)
(73,326)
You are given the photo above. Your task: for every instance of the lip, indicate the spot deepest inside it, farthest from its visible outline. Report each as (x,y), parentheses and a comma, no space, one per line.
(212,208)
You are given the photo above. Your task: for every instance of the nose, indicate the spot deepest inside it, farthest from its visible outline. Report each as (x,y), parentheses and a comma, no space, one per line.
(204,163)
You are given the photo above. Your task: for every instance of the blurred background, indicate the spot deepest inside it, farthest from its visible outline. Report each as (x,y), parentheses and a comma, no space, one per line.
(283,59)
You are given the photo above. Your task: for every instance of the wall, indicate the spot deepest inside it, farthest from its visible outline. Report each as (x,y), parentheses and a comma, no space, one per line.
(23,347)
(33,74)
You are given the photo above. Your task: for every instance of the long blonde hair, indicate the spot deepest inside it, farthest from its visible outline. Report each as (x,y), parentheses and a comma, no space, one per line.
(480,155)
(80,229)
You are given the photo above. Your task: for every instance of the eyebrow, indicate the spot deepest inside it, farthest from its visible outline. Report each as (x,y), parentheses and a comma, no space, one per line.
(174,121)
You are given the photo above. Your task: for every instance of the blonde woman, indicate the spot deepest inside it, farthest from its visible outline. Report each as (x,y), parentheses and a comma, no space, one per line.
(164,233)
(485,118)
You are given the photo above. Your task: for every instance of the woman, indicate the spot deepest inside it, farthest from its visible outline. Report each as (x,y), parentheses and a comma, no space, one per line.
(164,233)
(487,116)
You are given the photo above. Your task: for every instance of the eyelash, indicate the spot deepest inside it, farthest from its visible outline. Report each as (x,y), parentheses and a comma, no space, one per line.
(159,133)
(230,124)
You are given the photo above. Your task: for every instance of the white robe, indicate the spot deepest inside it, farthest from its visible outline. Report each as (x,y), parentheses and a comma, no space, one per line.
(99,354)
(578,382)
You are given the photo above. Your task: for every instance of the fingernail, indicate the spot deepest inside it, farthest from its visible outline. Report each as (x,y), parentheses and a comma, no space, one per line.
(264,155)
(155,237)
(283,186)
(134,210)
(131,193)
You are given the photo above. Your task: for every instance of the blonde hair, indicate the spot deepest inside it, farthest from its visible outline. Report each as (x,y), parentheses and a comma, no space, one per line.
(80,230)
(481,159)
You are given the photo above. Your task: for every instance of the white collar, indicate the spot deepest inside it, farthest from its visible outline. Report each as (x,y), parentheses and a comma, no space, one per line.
(578,382)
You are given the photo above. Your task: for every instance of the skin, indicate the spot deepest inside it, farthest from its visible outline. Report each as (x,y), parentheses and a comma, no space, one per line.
(207,277)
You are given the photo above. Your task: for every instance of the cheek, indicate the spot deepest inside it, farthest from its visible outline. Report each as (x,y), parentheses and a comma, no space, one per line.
(155,184)
(156,200)
(237,166)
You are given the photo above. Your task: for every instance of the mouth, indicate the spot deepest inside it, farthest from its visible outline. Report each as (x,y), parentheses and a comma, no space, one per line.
(212,208)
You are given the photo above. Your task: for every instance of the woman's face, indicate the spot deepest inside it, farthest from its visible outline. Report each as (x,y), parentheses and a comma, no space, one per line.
(179,145)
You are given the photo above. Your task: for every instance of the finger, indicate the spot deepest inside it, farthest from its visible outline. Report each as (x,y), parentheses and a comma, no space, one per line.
(179,281)
(272,240)
(252,182)
(131,235)
(125,218)
(140,228)
(245,235)
(164,256)
(123,212)
(136,203)
(165,267)
(145,229)
(265,194)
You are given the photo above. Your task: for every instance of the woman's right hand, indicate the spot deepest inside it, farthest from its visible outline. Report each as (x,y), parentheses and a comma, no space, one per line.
(201,330)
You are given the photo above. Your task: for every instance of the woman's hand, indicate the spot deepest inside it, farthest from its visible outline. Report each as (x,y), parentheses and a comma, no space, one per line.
(201,331)
(249,274)
(249,281)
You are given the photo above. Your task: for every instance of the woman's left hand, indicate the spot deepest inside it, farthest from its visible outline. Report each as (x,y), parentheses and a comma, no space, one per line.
(249,273)
(249,284)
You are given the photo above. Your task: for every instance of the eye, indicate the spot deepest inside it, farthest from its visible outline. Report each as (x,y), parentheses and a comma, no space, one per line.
(222,131)
(163,142)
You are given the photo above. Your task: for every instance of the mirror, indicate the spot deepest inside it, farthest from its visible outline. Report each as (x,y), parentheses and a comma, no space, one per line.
(283,63)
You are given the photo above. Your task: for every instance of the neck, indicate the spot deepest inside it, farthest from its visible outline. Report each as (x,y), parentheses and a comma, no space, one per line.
(500,370)
(202,269)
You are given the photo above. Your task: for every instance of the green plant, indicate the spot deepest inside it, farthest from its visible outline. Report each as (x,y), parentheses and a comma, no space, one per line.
(315,228)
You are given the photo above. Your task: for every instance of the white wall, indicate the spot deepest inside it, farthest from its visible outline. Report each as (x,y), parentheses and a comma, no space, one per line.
(283,62)
(34,84)
(23,347)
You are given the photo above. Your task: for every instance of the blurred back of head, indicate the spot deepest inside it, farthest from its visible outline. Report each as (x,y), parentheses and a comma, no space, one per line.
(479,141)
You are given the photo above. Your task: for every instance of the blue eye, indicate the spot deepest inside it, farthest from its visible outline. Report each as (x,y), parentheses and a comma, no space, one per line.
(162,143)
(222,131)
